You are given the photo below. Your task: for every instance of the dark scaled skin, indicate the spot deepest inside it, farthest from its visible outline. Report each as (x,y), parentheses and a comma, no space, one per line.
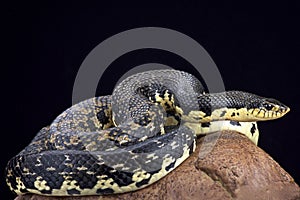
(121,143)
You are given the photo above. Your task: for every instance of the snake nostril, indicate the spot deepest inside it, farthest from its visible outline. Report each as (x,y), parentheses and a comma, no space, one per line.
(285,109)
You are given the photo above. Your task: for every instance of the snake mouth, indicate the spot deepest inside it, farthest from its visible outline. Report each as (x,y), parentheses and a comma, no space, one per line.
(269,111)
(275,108)
(283,110)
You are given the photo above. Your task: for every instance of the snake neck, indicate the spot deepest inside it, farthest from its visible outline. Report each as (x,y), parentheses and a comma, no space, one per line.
(237,106)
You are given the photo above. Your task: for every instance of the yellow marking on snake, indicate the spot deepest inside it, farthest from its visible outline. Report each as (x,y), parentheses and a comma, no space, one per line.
(20,185)
(244,128)
(40,183)
(82,168)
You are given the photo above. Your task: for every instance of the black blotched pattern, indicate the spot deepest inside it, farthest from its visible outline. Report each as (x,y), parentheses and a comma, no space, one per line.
(235,123)
(65,164)
(253,129)
(101,116)
(154,144)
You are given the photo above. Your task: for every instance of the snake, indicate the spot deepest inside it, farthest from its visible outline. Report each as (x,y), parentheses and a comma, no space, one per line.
(134,137)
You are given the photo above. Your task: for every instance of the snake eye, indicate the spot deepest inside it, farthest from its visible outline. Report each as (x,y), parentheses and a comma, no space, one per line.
(268,106)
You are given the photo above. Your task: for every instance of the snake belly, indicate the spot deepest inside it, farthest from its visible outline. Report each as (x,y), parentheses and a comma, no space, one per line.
(127,141)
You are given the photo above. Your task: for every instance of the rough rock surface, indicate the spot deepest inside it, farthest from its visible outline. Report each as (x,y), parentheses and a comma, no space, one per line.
(231,167)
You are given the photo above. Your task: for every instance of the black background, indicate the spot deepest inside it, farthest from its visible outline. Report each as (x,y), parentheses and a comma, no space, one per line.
(256,48)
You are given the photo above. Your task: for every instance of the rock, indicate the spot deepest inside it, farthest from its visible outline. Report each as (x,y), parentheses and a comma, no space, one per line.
(231,167)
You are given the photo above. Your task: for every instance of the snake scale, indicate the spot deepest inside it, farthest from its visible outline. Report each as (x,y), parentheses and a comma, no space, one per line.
(133,138)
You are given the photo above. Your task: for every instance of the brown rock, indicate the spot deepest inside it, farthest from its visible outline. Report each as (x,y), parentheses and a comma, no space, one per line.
(231,167)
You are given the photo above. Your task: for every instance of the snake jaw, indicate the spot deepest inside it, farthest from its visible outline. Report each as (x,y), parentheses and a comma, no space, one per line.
(272,109)
(267,111)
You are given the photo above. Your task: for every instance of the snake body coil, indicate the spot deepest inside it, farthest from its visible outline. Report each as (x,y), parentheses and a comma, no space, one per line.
(127,141)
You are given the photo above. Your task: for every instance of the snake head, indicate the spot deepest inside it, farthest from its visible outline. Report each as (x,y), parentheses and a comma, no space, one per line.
(268,109)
